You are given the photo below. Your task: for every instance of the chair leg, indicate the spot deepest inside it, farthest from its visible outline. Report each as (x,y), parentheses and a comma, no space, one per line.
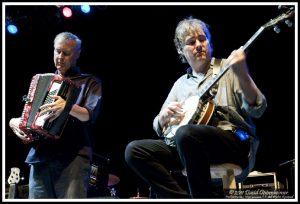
(229,180)
(152,194)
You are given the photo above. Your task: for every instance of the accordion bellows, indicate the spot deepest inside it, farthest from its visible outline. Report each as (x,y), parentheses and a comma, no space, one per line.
(42,86)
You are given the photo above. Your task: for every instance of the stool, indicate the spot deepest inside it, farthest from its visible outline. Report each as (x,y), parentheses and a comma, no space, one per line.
(226,171)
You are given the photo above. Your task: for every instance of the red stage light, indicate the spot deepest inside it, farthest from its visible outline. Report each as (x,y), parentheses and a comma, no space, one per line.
(67,12)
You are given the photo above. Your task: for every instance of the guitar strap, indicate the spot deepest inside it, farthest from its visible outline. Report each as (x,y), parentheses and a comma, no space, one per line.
(216,65)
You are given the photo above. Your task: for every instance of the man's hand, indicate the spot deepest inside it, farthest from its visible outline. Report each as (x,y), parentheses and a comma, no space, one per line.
(172,114)
(237,60)
(53,109)
(14,125)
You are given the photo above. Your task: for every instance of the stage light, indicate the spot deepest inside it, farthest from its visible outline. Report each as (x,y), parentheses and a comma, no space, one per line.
(12,29)
(67,12)
(85,8)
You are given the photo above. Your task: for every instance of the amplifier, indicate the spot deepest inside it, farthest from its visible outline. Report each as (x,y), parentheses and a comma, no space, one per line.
(287,172)
(259,180)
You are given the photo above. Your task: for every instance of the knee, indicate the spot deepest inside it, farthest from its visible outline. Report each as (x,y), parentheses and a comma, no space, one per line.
(189,134)
(182,134)
(131,151)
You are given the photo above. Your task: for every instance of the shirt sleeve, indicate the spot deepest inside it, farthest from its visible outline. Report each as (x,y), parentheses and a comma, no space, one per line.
(258,108)
(156,127)
(255,110)
(93,98)
(171,97)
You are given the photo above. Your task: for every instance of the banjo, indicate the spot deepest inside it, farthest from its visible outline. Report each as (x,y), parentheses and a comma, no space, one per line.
(199,108)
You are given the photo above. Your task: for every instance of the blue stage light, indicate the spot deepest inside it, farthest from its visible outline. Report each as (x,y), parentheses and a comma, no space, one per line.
(242,135)
(12,29)
(85,8)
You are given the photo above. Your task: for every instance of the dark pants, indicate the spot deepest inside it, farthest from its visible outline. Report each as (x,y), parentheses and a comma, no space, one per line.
(197,146)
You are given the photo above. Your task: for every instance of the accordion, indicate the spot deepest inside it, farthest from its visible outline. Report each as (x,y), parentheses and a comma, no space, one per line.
(43,86)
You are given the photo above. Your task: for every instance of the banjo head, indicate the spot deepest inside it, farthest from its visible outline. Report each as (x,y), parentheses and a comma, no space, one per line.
(190,106)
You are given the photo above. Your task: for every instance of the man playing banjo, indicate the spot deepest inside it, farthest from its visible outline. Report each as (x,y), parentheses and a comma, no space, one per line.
(224,131)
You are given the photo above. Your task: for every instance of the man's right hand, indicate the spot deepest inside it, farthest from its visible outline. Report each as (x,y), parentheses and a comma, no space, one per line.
(173,113)
(14,125)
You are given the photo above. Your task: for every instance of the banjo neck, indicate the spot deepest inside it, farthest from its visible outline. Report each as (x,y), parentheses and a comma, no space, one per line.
(270,24)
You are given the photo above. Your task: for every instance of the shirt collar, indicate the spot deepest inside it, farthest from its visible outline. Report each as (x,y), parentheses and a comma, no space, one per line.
(71,72)
(189,72)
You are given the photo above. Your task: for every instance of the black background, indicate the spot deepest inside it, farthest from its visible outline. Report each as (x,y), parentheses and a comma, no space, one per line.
(130,47)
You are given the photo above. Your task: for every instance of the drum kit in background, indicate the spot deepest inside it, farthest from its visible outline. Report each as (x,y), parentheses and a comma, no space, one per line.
(102,183)
(138,195)
(98,190)
(112,180)
(108,191)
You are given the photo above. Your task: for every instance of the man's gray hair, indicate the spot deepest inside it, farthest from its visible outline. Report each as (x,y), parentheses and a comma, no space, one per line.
(68,36)
(184,28)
